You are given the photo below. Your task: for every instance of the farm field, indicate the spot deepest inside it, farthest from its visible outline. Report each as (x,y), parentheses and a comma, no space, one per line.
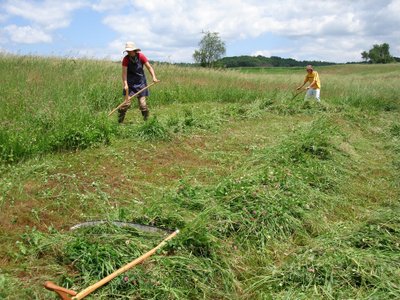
(275,197)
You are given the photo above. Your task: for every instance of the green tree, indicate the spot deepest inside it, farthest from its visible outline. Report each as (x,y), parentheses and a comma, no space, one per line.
(379,54)
(211,49)
(365,56)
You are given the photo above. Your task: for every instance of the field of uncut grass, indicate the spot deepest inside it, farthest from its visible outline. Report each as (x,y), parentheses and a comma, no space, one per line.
(275,197)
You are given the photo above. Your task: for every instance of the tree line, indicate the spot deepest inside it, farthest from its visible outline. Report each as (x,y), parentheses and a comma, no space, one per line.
(262,61)
(212,48)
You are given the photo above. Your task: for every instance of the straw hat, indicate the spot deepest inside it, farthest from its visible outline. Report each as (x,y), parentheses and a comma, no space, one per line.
(130,46)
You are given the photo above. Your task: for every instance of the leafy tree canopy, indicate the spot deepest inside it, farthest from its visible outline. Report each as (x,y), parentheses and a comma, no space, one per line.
(378,54)
(211,49)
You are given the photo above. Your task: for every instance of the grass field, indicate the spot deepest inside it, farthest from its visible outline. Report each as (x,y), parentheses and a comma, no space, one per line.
(275,197)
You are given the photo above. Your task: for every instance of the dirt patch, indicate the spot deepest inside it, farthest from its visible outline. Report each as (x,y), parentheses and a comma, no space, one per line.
(172,161)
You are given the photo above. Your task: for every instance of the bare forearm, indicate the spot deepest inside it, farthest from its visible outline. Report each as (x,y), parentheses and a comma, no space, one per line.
(124,78)
(153,75)
(151,71)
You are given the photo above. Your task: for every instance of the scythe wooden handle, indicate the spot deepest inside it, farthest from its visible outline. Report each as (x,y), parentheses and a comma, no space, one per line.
(126,96)
(298,93)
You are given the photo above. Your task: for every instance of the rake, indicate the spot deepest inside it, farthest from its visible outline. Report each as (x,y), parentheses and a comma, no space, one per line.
(66,294)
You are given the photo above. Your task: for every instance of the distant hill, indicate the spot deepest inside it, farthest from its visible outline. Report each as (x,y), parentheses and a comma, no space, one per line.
(262,61)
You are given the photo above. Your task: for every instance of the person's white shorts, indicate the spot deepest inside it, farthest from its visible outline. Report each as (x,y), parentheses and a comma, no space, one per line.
(314,93)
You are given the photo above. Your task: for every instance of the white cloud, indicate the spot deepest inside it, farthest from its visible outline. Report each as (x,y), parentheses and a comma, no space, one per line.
(3,18)
(48,14)
(171,29)
(265,53)
(176,25)
(26,35)
(44,18)
(109,5)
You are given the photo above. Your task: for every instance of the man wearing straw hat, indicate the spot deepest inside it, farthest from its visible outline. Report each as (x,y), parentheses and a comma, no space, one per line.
(314,86)
(134,79)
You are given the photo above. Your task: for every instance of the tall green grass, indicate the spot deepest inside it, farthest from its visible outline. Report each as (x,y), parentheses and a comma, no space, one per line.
(300,199)
(51,104)
(48,106)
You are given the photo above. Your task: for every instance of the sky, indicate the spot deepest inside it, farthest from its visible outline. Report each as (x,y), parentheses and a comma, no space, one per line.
(170,30)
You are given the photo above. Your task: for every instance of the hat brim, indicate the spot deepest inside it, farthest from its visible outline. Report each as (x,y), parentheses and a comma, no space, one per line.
(132,49)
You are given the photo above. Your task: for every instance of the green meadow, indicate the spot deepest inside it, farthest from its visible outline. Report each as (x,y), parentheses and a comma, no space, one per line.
(275,197)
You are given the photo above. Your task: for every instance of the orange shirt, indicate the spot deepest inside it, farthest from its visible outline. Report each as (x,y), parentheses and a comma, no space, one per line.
(310,77)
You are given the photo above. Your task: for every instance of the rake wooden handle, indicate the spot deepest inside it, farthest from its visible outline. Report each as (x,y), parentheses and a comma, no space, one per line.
(123,269)
(62,292)
(126,97)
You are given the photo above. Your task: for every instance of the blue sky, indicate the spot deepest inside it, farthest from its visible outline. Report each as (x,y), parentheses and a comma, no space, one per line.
(169,30)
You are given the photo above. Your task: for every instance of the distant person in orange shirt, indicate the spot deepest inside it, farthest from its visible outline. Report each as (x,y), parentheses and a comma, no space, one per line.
(314,87)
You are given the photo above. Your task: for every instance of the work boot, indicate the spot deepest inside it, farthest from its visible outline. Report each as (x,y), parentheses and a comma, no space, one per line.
(145,114)
(121,115)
